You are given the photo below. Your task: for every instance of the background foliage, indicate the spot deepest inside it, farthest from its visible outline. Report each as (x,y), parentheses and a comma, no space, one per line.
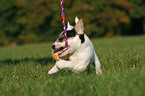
(24,21)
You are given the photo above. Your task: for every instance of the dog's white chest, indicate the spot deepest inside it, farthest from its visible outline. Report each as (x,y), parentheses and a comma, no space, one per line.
(83,55)
(80,51)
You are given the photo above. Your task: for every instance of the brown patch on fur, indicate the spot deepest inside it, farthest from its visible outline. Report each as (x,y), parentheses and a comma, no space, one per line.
(70,38)
(56,57)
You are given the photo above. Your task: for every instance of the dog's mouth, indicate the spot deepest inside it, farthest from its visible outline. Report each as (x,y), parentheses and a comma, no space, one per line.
(60,50)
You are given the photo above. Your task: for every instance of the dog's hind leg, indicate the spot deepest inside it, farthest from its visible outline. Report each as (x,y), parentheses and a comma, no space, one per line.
(97,65)
(61,64)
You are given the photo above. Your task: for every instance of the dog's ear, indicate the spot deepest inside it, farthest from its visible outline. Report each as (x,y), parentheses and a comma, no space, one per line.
(79,27)
(69,27)
(76,20)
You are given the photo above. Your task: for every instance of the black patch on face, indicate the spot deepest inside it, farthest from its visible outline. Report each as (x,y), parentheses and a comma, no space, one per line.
(82,38)
(61,39)
(71,33)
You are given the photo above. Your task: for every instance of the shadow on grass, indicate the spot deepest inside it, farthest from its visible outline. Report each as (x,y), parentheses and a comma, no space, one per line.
(43,61)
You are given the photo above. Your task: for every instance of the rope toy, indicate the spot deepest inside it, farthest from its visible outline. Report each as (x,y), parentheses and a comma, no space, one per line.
(63,19)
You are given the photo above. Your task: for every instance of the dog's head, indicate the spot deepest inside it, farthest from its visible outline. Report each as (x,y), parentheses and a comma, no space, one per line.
(75,36)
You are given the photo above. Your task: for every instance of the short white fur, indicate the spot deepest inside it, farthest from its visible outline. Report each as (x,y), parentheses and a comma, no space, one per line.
(81,55)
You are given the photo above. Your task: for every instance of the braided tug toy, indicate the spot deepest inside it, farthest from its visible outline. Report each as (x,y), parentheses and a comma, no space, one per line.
(63,19)
(55,55)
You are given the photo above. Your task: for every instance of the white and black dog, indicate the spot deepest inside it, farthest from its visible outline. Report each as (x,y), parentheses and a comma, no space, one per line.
(80,50)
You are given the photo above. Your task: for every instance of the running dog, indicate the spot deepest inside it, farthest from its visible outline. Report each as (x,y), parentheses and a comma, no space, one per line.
(79,53)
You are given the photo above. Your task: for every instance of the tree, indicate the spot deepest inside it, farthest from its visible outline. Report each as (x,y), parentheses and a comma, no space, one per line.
(138,17)
(8,26)
(26,21)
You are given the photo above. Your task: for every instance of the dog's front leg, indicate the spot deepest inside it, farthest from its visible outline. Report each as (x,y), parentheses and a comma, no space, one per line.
(61,64)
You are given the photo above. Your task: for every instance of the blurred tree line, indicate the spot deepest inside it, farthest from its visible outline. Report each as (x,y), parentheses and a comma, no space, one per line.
(24,21)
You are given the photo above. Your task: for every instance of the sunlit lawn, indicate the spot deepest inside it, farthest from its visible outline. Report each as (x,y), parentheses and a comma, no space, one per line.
(23,70)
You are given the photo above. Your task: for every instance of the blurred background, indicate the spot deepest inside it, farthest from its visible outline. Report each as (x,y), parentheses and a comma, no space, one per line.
(28,21)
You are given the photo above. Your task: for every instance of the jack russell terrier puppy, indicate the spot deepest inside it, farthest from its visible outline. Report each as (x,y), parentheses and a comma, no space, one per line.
(78,55)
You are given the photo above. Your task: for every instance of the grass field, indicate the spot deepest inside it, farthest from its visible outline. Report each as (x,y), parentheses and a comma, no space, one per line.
(23,70)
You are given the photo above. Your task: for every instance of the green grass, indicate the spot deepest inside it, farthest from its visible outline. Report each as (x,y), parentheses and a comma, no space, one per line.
(23,70)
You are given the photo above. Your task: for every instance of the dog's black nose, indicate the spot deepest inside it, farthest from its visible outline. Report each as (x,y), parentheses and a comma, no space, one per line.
(53,46)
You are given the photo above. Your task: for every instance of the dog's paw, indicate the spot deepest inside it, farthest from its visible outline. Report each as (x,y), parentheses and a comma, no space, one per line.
(99,72)
(50,72)
(53,70)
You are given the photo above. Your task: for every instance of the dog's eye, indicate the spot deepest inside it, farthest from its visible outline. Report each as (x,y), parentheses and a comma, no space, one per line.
(61,39)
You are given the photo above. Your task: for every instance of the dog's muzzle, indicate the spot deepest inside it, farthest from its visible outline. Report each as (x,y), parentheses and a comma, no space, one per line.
(59,50)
